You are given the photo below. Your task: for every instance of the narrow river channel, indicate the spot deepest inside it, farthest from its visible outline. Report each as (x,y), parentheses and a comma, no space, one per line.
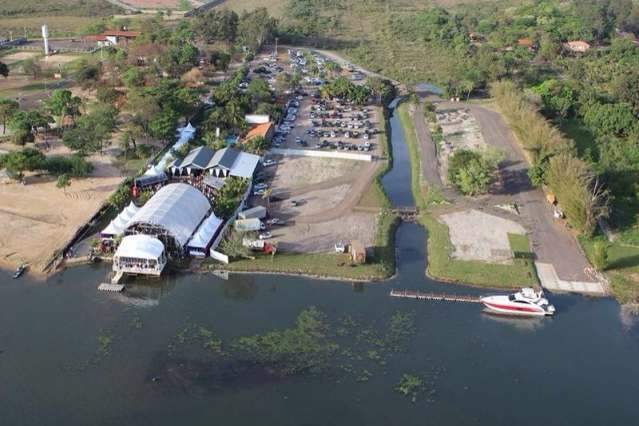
(70,355)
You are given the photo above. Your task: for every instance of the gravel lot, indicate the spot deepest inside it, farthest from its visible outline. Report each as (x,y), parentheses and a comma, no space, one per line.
(479,236)
(323,188)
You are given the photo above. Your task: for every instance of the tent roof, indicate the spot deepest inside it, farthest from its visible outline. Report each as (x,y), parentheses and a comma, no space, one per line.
(205,232)
(140,247)
(121,221)
(178,208)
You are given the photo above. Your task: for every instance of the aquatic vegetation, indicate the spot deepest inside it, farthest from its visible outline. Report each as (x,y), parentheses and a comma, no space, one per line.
(210,341)
(300,348)
(400,328)
(104,344)
(410,386)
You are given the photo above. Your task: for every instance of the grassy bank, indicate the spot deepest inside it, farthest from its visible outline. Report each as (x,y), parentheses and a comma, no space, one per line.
(440,265)
(621,267)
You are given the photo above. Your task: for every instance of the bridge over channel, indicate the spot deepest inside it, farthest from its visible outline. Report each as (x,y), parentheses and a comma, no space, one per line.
(406,214)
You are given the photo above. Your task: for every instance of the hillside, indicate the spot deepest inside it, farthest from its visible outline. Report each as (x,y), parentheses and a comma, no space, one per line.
(30,8)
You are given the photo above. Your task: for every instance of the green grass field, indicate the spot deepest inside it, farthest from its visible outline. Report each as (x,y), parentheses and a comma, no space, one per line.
(622,267)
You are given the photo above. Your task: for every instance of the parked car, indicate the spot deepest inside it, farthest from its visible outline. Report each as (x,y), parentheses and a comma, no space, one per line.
(265,235)
(269,162)
(260,186)
(259,192)
(340,247)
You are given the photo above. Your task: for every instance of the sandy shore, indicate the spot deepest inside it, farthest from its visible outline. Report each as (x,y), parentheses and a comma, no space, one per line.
(38,218)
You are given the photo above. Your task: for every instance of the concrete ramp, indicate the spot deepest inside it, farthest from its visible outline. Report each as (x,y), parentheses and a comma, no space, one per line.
(551,281)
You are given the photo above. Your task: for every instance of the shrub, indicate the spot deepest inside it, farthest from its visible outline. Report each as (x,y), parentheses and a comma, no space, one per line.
(63,181)
(470,171)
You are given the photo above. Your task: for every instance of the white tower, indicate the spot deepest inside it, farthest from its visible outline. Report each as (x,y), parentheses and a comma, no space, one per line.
(45,36)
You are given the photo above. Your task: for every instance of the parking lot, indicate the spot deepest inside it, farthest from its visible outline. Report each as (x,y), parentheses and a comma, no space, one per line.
(313,123)
(312,200)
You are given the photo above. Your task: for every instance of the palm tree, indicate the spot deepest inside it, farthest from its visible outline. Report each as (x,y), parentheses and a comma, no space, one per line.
(267,196)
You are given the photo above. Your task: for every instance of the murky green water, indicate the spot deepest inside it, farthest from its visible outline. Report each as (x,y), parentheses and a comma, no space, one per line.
(169,352)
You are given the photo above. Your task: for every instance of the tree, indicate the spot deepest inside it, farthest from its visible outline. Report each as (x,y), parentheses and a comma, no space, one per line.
(32,67)
(25,124)
(62,103)
(217,25)
(163,125)
(7,108)
(256,145)
(578,191)
(133,78)
(625,88)
(89,75)
(255,28)
(259,91)
(17,162)
(470,171)
(557,97)
(4,70)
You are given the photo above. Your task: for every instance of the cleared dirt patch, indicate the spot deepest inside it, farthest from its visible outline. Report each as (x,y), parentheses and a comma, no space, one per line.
(297,172)
(38,218)
(479,236)
(18,56)
(325,190)
(321,237)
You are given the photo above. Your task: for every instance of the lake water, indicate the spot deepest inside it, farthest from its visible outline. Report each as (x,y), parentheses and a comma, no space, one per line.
(74,356)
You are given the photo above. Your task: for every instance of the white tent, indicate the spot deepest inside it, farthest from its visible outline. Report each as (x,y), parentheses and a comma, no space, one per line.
(178,208)
(205,233)
(121,222)
(140,247)
(185,134)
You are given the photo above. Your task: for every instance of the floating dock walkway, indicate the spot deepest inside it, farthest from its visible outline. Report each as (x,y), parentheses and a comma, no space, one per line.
(116,288)
(409,294)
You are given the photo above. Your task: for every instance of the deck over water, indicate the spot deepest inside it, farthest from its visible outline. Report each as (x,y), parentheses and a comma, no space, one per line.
(409,294)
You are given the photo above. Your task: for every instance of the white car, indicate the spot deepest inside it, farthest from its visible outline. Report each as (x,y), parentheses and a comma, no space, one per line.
(269,162)
(260,186)
(265,236)
(340,247)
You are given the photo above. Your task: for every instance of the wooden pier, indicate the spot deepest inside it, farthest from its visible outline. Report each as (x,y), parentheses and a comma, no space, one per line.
(410,294)
(115,288)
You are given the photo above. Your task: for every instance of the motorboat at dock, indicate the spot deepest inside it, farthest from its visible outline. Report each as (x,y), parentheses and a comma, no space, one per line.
(526,302)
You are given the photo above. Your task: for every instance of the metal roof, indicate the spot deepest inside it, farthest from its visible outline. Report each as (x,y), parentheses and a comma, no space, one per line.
(245,165)
(178,208)
(224,157)
(198,158)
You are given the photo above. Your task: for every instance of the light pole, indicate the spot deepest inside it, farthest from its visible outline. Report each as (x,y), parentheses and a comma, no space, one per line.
(275,52)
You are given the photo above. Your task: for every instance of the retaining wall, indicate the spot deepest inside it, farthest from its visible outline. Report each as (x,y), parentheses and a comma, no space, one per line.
(322,154)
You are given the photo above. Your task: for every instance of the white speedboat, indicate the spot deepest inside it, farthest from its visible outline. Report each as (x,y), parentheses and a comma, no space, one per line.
(527,302)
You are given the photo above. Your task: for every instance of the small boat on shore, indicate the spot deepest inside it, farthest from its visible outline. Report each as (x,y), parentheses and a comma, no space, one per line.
(527,302)
(19,271)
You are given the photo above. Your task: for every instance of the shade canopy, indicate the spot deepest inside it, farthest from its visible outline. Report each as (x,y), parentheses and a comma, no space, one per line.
(122,221)
(178,208)
(205,232)
(140,247)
